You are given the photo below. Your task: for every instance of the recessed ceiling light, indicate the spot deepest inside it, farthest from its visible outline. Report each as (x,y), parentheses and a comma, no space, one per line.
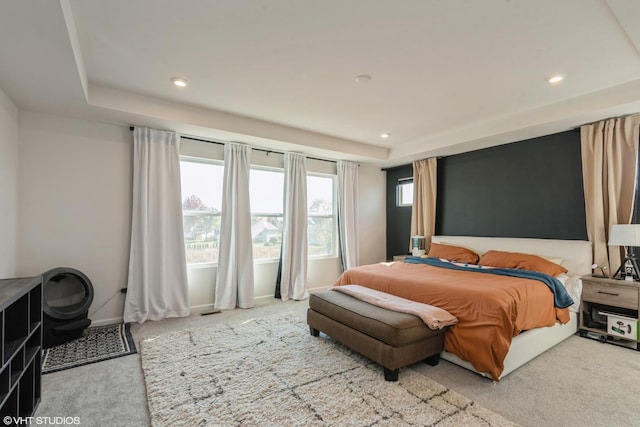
(556,78)
(385,135)
(363,78)
(179,81)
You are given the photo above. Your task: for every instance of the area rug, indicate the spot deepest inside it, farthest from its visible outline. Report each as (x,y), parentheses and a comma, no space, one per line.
(97,344)
(271,372)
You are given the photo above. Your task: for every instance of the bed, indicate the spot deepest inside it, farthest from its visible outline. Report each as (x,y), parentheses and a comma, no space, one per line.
(526,327)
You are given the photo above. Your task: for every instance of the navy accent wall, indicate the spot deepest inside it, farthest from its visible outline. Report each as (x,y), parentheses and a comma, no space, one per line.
(530,188)
(398,217)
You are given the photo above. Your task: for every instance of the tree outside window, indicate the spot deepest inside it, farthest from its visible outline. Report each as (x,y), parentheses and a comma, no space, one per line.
(201,202)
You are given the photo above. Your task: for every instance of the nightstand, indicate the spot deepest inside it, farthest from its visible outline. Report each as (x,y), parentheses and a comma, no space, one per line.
(609,310)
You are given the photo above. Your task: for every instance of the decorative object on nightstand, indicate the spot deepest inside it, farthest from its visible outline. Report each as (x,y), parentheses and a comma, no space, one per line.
(609,311)
(417,245)
(626,235)
(603,270)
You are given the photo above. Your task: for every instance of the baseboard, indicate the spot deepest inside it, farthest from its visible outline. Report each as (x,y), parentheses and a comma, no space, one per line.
(104,322)
(197,309)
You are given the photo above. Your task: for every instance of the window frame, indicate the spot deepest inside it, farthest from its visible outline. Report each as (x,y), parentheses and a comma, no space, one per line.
(268,215)
(333,216)
(208,161)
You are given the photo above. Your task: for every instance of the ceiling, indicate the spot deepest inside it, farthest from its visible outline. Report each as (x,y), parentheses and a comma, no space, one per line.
(445,76)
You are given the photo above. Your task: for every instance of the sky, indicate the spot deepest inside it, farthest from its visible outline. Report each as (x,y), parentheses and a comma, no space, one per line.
(266,186)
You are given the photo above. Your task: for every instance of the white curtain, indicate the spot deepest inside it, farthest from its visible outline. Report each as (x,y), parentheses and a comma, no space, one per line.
(234,282)
(348,213)
(157,284)
(294,234)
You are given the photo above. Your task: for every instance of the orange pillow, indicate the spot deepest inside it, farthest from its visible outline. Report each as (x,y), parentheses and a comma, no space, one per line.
(521,261)
(453,253)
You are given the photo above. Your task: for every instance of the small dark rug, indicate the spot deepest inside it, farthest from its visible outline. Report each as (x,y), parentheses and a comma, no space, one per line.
(97,344)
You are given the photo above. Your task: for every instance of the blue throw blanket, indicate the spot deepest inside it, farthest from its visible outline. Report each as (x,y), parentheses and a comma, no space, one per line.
(561,298)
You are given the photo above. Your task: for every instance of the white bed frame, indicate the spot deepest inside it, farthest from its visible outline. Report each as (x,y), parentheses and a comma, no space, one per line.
(576,258)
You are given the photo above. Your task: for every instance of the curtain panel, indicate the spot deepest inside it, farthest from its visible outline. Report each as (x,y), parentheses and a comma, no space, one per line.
(294,234)
(348,213)
(157,285)
(423,210)
(234,281)
(609,157)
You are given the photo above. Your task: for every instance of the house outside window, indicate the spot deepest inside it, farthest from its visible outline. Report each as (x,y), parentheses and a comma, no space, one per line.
(266,191)
(267,195)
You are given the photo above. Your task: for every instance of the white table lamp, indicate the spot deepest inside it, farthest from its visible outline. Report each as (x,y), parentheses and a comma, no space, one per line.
(417,245)
(626,235)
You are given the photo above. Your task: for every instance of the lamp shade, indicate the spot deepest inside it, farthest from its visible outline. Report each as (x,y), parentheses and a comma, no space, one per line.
(417,242)
(624,235)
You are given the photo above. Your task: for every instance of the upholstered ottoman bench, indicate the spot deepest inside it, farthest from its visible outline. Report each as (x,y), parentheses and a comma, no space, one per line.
(389,338)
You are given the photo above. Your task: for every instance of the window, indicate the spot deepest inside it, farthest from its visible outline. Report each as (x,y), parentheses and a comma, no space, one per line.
(322,225)
(267,195)
(404,191)
(201,206)
(266,189)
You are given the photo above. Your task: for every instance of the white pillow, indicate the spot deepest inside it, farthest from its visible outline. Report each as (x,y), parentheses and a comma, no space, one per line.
(573,285)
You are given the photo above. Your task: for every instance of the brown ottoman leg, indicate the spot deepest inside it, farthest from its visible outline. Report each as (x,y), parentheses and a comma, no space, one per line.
(433,360)
(391,375)
(314,331)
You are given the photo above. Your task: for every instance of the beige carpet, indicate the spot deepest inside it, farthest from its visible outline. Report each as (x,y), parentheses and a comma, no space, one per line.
(271,371)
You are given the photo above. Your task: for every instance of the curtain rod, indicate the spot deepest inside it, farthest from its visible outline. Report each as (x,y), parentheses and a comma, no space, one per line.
(605,119)
(210,141)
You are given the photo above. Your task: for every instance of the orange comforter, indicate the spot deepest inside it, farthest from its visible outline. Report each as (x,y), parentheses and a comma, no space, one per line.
(491,309)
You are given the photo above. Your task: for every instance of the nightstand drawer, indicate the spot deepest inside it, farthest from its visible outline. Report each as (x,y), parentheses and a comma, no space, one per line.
(611,294)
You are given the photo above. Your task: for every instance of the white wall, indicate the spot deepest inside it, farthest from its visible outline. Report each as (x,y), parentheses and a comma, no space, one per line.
(372,219)
(8,186)
(75,202)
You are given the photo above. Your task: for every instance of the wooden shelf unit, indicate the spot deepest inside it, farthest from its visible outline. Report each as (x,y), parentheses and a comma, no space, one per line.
(616,297)
(20,346)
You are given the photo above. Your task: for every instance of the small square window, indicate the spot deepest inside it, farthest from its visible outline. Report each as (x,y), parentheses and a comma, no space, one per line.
(405,192)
